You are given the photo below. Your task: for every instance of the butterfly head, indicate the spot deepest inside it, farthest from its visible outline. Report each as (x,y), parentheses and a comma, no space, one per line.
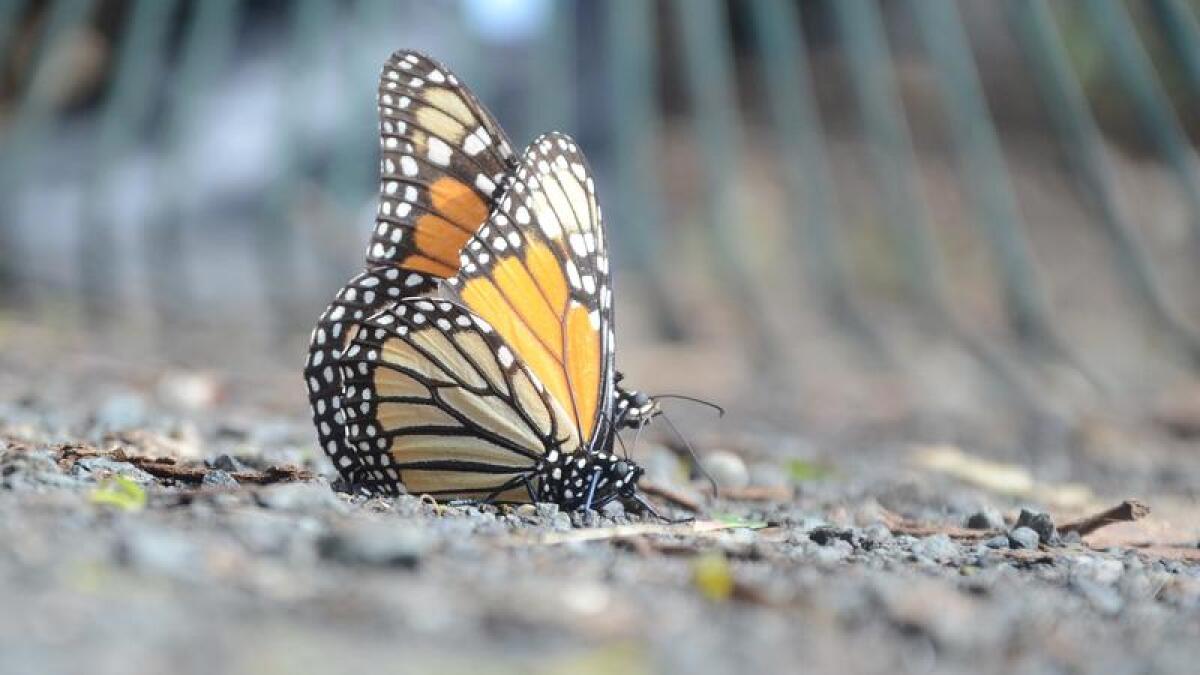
(635,409)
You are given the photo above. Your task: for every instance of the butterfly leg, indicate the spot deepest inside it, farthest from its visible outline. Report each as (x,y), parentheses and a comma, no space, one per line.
(647,507)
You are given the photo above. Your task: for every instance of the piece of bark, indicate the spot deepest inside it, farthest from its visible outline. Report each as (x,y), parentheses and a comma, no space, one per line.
(171,469)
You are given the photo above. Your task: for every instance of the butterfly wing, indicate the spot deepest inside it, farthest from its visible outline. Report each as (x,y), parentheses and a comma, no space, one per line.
(538,272)
(443,156)
(361,297)
(435,398)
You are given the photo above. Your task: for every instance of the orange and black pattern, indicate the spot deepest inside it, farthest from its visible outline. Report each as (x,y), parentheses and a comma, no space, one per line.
(443,160)
(538,272)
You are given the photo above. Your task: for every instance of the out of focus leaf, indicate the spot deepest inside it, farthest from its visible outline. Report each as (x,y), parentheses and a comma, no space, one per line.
(802,470)
(120,492)
(713,577)
(1006,479)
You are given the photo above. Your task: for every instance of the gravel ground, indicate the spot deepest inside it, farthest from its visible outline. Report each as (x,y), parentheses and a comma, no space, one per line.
(221,547)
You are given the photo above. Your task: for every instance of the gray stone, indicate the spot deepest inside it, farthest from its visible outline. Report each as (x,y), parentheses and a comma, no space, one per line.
(937,547)
(999,541)
(727,469)
(157,551)
(878,533)
(1023,537)
(219,478)
(1038,522)
(299,497)
(1103,599)
(100,467)
(836,552)
(227,463)
(987,519)
(377,544)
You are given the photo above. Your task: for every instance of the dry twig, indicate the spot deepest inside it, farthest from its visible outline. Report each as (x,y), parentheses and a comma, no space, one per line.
(759,493)
(1125,512)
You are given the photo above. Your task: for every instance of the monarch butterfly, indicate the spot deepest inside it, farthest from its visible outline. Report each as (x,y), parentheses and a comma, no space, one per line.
(507,390)
(446,166)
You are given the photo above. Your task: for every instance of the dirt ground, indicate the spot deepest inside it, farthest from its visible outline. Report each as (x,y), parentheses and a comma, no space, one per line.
(163,520)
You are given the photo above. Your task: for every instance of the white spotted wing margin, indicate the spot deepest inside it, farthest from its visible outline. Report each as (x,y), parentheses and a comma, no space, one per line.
(445,407)
(362,296)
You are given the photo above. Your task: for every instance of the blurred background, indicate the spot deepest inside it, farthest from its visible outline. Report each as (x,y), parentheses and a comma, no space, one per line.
(932,220)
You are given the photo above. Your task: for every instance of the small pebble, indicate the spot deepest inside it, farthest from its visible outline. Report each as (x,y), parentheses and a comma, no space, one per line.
(1107,571)
(938,547)
(987,519)
(834,553)
(159,551)
(98,467)
(613,509)
(299,497)
(727,469)
(1038,522)
(376,545)
(219,478)
(227,463)
(878,533)
(1023,537)
(999,541)
(828,535)
(1104,599)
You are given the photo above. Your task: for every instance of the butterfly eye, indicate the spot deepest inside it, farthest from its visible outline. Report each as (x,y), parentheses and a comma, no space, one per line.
(621,468)
(640,399)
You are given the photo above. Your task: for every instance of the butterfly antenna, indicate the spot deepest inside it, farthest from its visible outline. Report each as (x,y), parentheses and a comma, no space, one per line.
(637,435)
(693,399)
(692,451)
